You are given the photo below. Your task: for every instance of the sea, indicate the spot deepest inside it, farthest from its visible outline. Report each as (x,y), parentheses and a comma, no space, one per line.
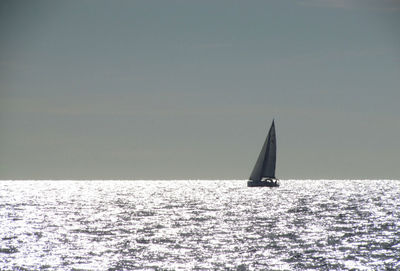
(200,225)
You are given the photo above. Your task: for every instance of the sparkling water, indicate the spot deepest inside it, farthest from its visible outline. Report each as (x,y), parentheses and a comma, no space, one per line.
(199,225)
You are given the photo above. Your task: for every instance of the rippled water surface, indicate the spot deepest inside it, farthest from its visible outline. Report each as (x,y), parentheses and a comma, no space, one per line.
(200,225)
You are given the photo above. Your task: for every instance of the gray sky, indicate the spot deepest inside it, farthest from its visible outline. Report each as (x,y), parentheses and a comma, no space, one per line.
(188,89)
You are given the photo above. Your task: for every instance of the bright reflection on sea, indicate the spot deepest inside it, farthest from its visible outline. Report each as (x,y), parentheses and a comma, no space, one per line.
(200,225)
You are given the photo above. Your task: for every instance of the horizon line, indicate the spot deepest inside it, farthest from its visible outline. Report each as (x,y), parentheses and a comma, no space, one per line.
(290,179)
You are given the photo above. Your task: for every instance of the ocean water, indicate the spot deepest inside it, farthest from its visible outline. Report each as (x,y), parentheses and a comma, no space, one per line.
(200,225)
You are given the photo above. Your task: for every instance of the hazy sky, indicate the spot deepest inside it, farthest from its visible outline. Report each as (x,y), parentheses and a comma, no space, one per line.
(188,89)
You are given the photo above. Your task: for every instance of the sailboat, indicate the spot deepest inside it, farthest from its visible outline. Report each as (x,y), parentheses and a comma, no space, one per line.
(263,173)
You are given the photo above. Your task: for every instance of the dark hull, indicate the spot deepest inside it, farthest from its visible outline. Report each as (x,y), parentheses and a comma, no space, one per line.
(263,184)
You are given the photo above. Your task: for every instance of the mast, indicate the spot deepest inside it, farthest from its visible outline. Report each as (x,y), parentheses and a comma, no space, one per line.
(265,165)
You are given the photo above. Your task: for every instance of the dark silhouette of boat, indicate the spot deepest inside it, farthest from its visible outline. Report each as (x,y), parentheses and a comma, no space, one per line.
(263,173)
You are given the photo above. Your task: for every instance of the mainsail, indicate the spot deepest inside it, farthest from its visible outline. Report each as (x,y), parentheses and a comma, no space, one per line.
(265,165)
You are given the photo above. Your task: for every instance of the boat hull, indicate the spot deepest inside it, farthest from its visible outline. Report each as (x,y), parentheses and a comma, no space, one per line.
(268,183)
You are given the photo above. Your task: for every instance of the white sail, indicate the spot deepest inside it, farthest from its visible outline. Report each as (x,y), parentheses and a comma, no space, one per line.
(265,165)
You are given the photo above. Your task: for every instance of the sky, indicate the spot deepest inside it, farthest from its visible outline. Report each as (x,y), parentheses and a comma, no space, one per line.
(185,89)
